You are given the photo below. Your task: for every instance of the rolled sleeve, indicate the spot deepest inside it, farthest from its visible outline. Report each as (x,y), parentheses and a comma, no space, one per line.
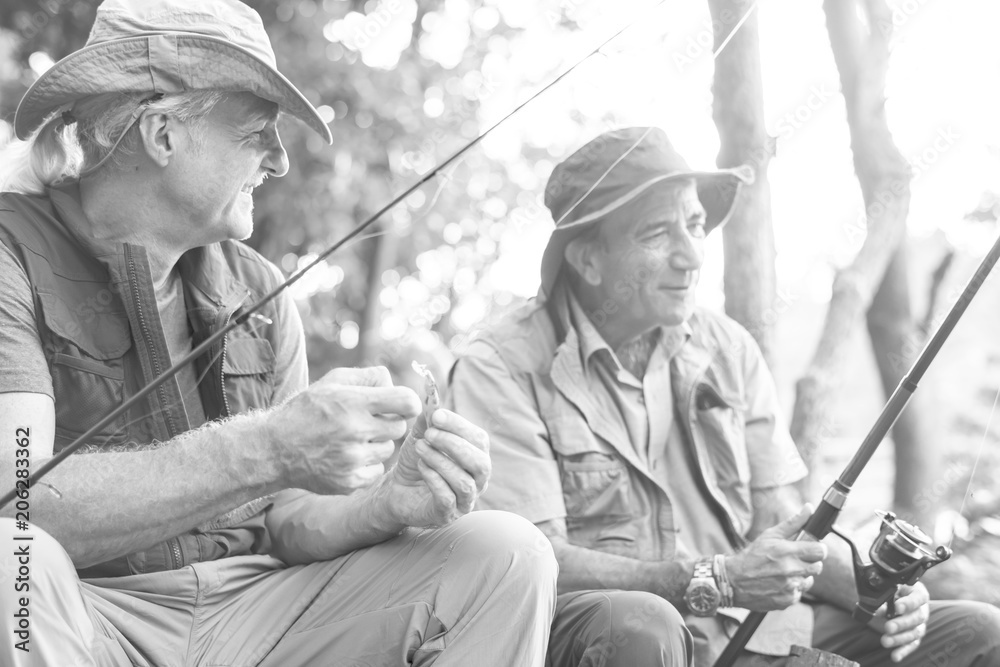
(774,459)
(525,477)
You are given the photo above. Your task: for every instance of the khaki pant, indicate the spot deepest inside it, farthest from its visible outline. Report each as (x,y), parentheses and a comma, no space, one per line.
(632,629)
(478,592)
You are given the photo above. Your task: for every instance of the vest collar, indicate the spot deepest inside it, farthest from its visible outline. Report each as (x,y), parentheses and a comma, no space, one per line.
(210,284)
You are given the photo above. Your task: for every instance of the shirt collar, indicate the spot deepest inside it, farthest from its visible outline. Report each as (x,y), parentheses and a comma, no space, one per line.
(591,342)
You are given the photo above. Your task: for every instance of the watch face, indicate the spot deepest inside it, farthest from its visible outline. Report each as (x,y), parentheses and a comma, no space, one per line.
(702,599)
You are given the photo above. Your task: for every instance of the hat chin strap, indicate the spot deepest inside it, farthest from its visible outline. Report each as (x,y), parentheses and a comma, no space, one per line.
(128,126)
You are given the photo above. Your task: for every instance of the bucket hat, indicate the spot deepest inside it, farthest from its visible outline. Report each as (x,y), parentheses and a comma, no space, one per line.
(168,46)
(615,169)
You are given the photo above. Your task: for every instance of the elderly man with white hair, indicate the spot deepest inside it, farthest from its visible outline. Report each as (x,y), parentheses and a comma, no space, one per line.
(236,516)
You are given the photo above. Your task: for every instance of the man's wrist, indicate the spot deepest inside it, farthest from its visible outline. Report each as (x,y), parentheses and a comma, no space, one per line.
(379,507)
(722,580)
(703,596)
(264,470)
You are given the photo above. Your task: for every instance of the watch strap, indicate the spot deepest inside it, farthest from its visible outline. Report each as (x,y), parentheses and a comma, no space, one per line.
(722,580)
(703,569)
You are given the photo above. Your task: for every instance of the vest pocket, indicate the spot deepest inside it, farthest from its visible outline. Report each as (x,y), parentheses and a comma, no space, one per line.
(248,370)
(595,481)
(86,361)
(595,487)
(723,427)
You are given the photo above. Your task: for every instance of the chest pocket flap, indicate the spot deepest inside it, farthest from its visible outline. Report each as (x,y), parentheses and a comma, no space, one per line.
(86,347)
(248,369)
(248,356)
(94,322)
(595,479)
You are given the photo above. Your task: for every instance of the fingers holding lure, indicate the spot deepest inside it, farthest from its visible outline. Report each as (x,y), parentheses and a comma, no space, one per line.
(445,442)
(406,464)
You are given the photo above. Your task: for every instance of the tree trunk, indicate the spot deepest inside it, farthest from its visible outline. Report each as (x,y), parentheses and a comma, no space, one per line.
(384,253)
(896,341)
(862,57)
(738,111)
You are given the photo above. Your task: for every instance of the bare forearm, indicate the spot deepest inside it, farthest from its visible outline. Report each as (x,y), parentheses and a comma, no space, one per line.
(110,504)
(584,569)
(306,527)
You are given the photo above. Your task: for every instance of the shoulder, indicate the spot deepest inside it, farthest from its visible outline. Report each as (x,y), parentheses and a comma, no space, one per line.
(251,267)
(14,201)
(523,339)
(21,216)
(716,330)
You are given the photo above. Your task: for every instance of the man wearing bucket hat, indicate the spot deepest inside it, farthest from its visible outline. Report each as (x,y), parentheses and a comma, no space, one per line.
(237,516)
(643,435)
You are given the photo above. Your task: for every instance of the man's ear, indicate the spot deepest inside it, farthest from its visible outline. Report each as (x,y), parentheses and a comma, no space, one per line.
(158,135)
(580,254)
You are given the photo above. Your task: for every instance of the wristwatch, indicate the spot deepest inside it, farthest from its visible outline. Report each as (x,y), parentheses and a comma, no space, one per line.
(703,596)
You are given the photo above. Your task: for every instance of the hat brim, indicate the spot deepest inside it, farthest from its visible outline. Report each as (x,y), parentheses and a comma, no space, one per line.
(717,191)
(121,66)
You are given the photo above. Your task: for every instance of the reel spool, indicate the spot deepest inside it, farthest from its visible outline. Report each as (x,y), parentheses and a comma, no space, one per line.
(899,556)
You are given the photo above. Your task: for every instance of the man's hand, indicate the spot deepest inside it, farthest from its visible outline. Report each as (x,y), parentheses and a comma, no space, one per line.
(904,632)
(333,437)
(775,570)
(437,478)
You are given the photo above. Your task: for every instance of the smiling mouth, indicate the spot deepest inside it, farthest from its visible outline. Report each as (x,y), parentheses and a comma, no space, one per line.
(249,187)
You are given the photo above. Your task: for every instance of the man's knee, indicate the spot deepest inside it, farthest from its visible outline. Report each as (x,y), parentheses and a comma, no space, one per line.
(31,562)
(637,628)
(504,539)
(963,634)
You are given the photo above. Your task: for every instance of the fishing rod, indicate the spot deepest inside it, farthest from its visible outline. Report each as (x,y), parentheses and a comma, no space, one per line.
(902,552)
(252,311)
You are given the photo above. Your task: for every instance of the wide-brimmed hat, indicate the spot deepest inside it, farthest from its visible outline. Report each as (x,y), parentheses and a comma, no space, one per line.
(616,169)
(168,46)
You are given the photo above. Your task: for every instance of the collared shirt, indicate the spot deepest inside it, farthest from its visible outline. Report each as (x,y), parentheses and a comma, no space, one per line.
(655,434)
(561,448)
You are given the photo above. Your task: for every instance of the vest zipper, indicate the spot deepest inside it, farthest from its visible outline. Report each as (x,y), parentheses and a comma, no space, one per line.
(222,361)
(226,411)
(176,558)
(147,338)
(175,553)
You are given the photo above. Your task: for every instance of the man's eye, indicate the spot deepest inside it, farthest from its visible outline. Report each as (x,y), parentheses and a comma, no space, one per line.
(259,135)
(697,229)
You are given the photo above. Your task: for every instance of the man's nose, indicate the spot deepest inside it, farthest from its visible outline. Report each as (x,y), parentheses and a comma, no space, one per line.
(276,159)
(687,254)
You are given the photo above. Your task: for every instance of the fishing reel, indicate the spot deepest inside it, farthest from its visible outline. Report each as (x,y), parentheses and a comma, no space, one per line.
(899,556)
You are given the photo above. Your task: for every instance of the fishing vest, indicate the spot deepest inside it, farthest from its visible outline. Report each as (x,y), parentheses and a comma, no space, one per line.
(96,317)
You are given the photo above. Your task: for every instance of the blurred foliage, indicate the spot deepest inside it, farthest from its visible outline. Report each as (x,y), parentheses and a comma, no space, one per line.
(402,85)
